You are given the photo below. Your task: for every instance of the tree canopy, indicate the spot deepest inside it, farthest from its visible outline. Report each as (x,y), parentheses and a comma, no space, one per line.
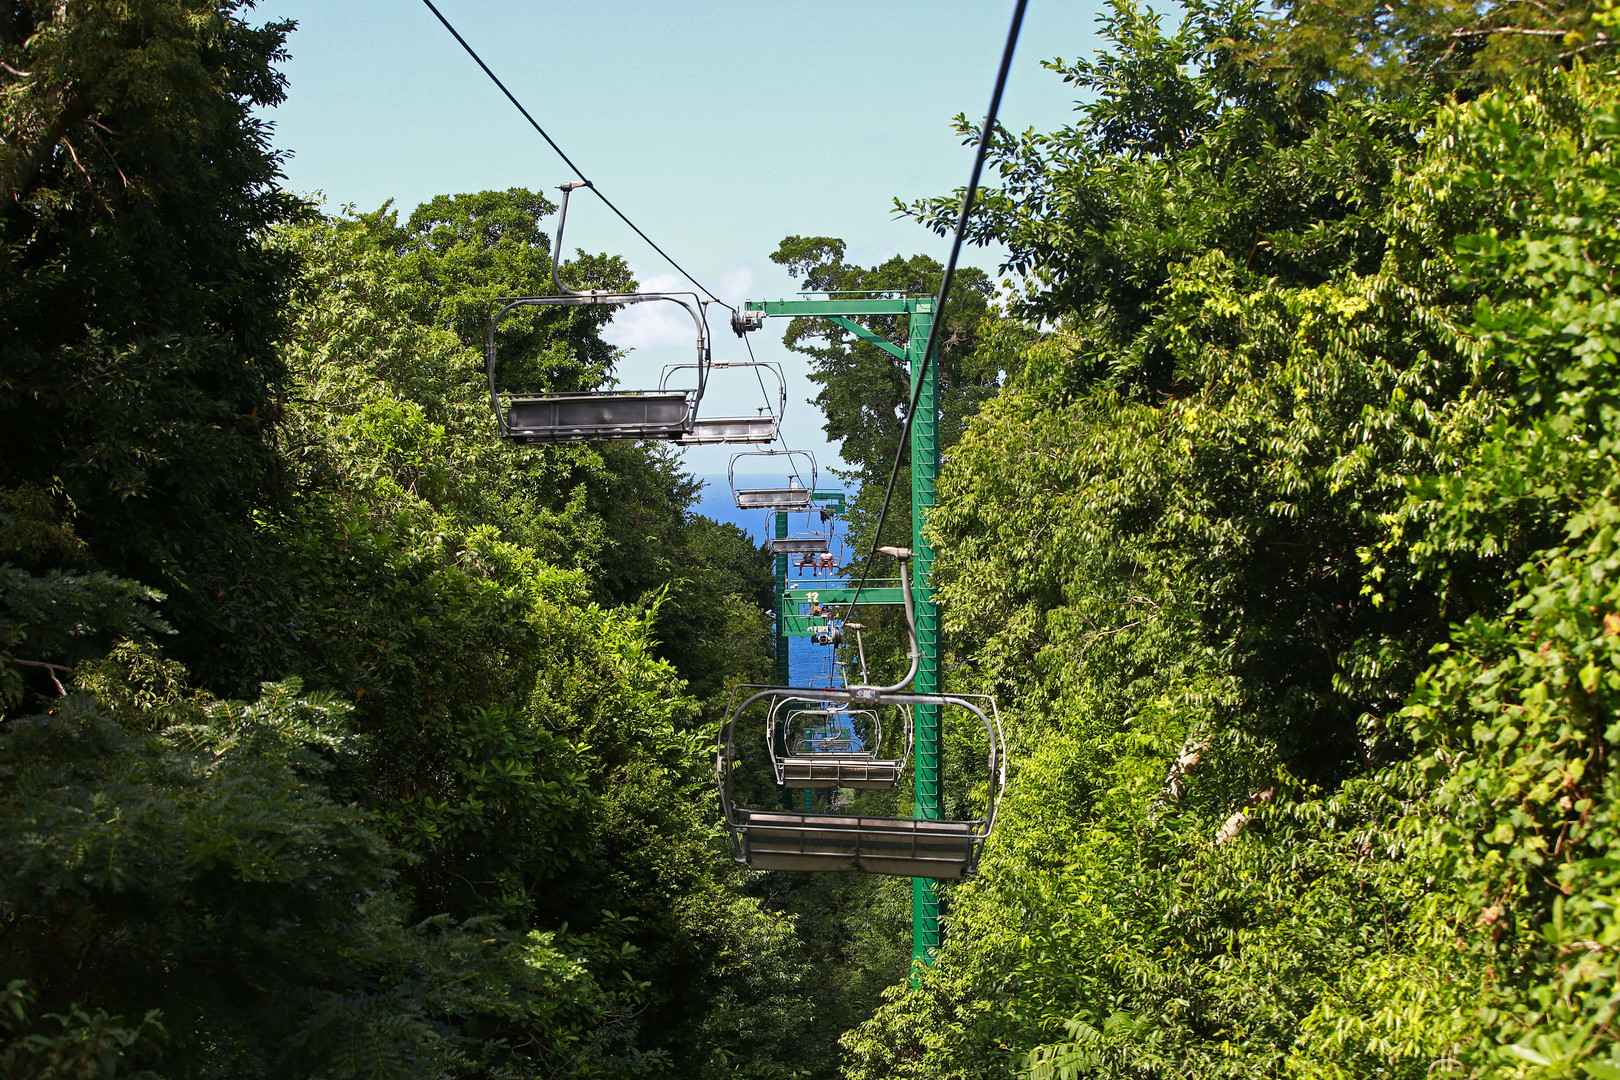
(340,738)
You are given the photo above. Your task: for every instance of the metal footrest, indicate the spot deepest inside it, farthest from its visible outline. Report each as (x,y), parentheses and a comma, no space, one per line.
(801,545)
(828,771)
(901,847)
(553,418)
(788,498)
(730,429)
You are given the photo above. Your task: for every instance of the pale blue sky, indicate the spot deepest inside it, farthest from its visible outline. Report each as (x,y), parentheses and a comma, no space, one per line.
(718,127)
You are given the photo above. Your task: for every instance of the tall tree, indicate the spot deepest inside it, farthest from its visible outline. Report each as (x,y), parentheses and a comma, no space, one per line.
(139,308)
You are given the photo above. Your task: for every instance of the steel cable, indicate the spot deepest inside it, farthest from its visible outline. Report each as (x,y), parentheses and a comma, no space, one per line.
(566,159)
(985,135)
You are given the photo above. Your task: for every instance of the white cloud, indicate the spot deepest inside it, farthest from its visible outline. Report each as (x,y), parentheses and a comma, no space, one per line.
(736,284)
(659,324)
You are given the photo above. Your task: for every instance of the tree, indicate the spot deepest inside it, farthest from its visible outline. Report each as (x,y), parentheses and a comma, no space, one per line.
(139,311)
(864,390)
(1303,409)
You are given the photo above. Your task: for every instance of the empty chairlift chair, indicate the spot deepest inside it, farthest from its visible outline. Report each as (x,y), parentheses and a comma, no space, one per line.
(903,847)
(670,413)
(792,495)
(808,764)
(761,427)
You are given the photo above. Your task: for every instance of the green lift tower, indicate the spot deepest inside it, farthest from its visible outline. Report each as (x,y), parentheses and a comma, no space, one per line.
(930,800)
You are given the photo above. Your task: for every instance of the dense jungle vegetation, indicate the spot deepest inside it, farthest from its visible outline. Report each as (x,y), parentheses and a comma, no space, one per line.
(1281,513)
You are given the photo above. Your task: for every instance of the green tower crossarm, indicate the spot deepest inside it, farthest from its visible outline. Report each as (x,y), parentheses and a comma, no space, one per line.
(883,305)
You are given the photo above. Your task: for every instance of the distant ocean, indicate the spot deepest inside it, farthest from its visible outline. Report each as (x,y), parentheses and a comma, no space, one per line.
(716,502)
(805,660)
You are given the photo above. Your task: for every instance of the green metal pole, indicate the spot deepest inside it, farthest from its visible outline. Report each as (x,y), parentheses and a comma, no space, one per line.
(926,935)
(784,676)
(782,673)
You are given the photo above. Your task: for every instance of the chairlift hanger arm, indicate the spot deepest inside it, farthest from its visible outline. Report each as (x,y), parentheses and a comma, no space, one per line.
(903,556)
(696,308)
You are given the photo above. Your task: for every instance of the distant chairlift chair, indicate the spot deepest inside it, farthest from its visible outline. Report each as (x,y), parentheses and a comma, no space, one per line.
(903,847)
(794,495)
(813,728)
(808,544)
(762,427)
(823,764)
(670,414)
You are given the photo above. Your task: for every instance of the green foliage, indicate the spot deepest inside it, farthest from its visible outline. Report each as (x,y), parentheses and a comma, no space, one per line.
(245,445)
(76,1045)
(1518,714)
(1277,450)
(1179,153)
(138,309)
(528,748)
(60,619)
(205,876)
(1460,47)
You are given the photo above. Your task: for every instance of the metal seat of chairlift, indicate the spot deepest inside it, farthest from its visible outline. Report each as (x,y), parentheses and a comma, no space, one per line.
(902,847)
(731,429)
(554,418)
(834,763)
(801,545)
(831,770)
(831,744)
(788,498)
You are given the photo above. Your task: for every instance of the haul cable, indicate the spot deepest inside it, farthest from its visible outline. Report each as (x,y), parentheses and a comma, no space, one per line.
(986,134)
(566,159)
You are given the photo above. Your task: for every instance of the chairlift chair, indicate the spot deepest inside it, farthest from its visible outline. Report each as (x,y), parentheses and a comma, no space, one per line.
(794,495)
(816,563)
(814,550)
(808,543)
(671,413)
(762,427)
(826,729)
(904,847)
(825,765)
(803,542)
